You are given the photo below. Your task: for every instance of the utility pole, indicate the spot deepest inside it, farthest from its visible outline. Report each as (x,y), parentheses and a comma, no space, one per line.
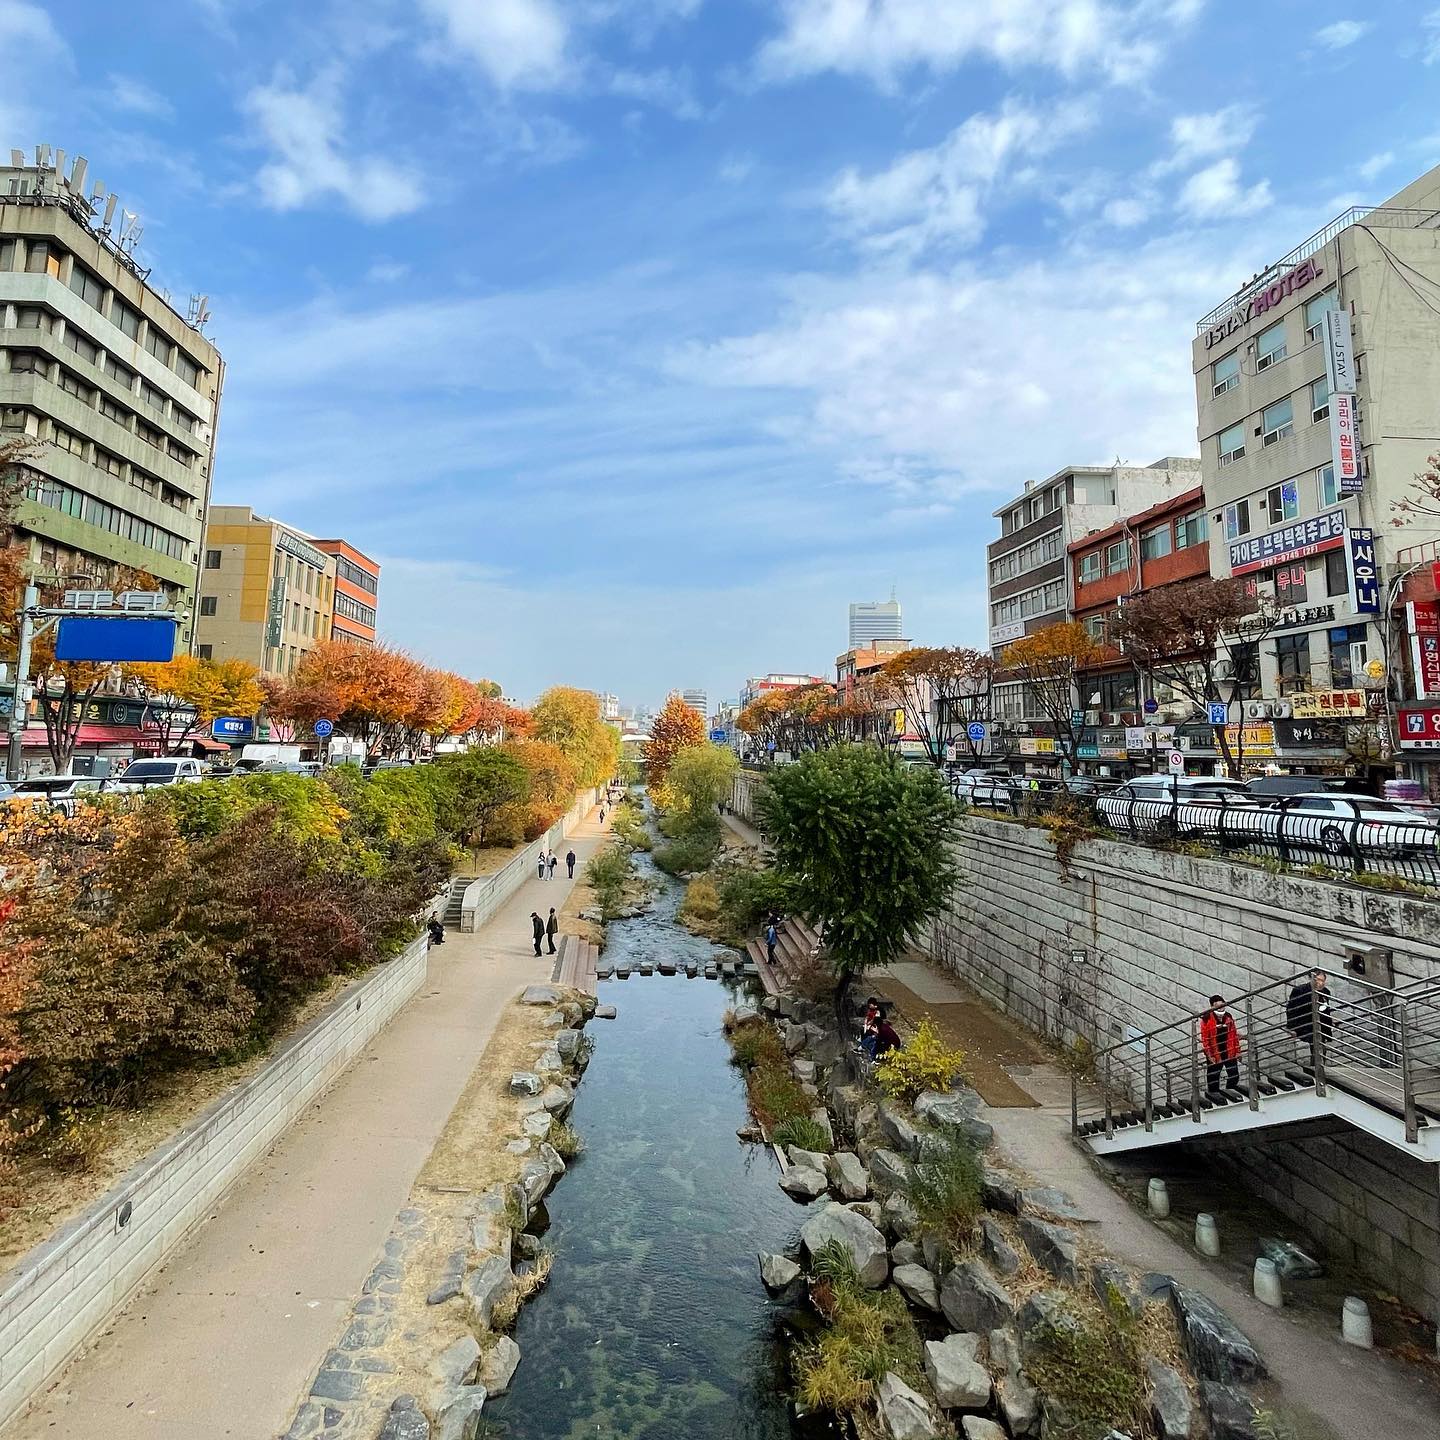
(21,703)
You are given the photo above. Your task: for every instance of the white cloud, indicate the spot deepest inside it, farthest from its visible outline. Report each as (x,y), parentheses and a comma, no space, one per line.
(881,39)
(1430,37)
(1199,137)
(1340,34)
(386,272)
(134,96)
(736,169)
(1126,212)
(25,30)
(1376,165)
(518,44)
(938,194)
(1215,193)
(304,130)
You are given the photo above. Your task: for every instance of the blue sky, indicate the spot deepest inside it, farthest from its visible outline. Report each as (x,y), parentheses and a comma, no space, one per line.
(637,337)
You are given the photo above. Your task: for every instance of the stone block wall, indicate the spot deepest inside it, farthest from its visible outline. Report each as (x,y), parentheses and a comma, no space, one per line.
(67,1288)
(742,794)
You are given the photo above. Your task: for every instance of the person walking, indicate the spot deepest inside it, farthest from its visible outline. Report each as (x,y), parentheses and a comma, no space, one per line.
(1220,1040)
(570,865)
(1307,1000)
(772,939)
(553,862)
(538,926)
(551,926)
(602,814)
(540,863)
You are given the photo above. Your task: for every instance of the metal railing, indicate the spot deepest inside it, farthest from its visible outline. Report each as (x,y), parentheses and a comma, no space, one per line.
(1379,1045)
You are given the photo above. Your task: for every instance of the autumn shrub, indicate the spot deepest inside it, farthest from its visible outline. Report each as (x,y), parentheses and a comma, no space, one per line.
(748,895)
(607,873)
(924,1062)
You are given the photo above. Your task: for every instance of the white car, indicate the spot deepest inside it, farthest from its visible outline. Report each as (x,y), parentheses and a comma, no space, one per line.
(982,787)
(1170,805)
(58,792)
(1333,822)
(144,774)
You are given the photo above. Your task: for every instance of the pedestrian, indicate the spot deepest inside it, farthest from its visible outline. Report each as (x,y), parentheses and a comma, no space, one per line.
(538,926)
(436,930)
(552,862)
(570,865)
(602,814)
(551,926)
(772,939)
(1307,999)
(1220,1040)
(886,1039)
(540,863)
(869,1027)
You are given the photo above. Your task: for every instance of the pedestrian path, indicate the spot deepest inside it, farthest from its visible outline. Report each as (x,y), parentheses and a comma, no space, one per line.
(225,1338)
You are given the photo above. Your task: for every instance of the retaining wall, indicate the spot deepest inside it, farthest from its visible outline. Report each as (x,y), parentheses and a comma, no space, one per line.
(483,897)
(742,794)
(66,1289)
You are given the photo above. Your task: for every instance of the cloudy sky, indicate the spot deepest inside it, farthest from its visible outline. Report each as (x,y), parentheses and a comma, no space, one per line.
(637,337)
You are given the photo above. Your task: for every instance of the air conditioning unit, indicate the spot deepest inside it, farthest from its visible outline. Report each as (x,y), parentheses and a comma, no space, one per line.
(1257,710)
(1092,717)
(1280,709)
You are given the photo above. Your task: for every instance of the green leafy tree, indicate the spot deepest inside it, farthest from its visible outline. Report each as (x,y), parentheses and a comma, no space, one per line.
(863,843)
(700,777)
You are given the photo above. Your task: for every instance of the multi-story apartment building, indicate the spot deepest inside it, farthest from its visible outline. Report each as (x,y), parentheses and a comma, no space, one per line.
(758,685)
(699,701)
(1316,389)
(117,393)
(267,591)
(1029,579)
(872,620)
(357,590)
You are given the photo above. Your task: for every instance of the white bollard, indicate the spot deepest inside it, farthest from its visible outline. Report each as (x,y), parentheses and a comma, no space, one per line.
(1207,1235)
(1355,1327)
(1267,1284)
(1159,1198)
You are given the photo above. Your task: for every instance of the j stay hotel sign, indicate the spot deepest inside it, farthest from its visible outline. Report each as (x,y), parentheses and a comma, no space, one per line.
(1267,297)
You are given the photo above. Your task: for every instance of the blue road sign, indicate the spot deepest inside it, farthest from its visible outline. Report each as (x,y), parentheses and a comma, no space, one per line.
(975,731)
(324,728)
(719,736)
(1218,711)
(1151,706)
(93,637)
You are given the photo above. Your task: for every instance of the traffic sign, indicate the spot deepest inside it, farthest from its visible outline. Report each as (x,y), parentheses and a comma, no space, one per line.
(719,737)
(1151,706)
(975,731)
(1218,711)
(324,728)
(1177,762)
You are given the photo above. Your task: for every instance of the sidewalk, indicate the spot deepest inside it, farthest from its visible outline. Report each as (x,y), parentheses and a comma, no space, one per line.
(744,829)
(226,1336)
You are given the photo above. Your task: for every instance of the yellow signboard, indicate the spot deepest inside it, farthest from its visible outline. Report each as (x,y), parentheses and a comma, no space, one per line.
(899,722)
(1040,746)
(1252,740)
(1328,705)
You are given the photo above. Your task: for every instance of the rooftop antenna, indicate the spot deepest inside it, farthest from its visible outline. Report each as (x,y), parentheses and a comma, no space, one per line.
(60,166)
(17,158)
(42,155)
(110,205)
(78,171)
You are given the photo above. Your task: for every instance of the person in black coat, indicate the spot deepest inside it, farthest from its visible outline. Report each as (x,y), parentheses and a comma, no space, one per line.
(538,926)
(570,865)
(551,926)
(1301,1009)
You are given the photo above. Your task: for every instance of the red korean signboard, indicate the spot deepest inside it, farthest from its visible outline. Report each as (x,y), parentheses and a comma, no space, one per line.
(1424,618)
(1419,729)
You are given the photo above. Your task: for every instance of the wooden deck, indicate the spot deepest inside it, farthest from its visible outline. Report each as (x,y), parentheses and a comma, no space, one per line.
(798,942)
(575,965)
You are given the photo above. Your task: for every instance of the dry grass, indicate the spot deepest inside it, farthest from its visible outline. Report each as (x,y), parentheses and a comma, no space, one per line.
(507,1309)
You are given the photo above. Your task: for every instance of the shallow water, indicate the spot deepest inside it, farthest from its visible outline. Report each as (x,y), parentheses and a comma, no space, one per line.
(654,1324)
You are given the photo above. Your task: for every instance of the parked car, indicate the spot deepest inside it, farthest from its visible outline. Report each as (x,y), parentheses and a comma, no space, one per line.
(1274,788)
(58,792)
(1333,823)
(144,774)
(982,787)
(1171,805)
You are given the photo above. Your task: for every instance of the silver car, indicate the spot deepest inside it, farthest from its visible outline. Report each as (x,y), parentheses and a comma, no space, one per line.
(1333,823)
(1172,805)
(57,792)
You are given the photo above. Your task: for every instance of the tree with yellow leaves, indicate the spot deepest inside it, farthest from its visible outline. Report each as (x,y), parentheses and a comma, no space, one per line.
(1048,662)
(187,694)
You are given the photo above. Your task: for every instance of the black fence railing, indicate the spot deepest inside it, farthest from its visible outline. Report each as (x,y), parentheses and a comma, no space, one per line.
(1346,834)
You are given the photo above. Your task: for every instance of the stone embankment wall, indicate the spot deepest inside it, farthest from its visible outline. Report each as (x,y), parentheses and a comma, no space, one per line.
(67,1288)
(1136,938)
(483,897)
(742,794)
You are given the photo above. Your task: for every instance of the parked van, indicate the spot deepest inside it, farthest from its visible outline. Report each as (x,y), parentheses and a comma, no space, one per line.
(252,757)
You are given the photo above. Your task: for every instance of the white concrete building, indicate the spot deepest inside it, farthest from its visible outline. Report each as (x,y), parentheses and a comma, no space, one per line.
(872,620)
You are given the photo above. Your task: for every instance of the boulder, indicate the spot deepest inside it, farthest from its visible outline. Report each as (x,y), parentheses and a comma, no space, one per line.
(540,995)
(574,1015)
(996,1249)
(514,1198)
(906,1252)
(518,1147)
(526,1082)
(904,1414)
(1228,1413)
(864,1242)
(973,1299)
(998,1191)
(956,1375)
(888,1170)
(1214,1345)
(550,1062)
(567,1042)
(1051,1204)
(941,1107)
(935,1253)
(490,1233)
(457,1414)
(537,1126)
(536,1178)
(821,1116)
(1053,1248)
(527,1246)
(553,1021)
(458,1364)
(605,1012)
(794,1038)
(804,1069)
(1112,1283)
(498,1367)
(1045,1310)
(485,1287)
(918,1286)
(870,1209)
(451,1278)
(973,1427)
(899,1133)
(744,1013)
(1172,1412)
(804,1182)
(1019,1405)
(557,1099)
(405,1421)
(900,1217)
(810,1159)
(847,1175)
(778,1272)
(551,1156)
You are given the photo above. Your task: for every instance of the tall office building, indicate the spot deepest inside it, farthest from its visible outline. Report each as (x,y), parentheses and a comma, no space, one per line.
(697,700)
(872,620)
(115,391)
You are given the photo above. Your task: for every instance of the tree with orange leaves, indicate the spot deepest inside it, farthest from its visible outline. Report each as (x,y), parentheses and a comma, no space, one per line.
(941,689)
(676,728)
(189,693)
(1048,662)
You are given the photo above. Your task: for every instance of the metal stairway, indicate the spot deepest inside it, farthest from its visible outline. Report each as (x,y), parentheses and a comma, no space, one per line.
(1355,1052)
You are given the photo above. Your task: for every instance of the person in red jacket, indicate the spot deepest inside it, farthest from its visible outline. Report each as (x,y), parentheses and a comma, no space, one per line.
(1220,1040)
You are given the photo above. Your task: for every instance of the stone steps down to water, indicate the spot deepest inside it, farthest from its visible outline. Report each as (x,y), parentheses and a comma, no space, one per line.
(358,1393)
(982,1317)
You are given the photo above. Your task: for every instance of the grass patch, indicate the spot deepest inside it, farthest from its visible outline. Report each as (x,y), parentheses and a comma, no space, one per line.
(699,911)
(691,854)
(774,1092)
(507,1308)
(629,824)
(565,1140)
(608,873)
(1094,1372)
(945,1189)
(803,1132)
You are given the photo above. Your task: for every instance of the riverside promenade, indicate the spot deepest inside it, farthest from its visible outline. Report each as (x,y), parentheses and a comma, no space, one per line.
(223,1339)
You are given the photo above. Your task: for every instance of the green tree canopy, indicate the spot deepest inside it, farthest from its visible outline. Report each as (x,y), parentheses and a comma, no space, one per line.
(700,776)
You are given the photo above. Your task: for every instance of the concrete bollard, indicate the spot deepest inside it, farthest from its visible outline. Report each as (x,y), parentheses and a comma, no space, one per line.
(1267,1284)
(1355,1327)
(1159,1197)
(1207,1235)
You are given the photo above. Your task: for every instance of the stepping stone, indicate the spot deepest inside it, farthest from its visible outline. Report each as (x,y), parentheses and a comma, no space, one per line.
(710,972)
(603,970)
(666,967)
(622,972)
(646,968)
(692,968)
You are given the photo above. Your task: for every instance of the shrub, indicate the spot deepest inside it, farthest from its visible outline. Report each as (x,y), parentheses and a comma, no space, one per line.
(775,1094)
(690,854)
(608,872)
(700,909)
(924,1062)
(945,1187)
(804,1132)
(565,1140)
(1092,1369)
(747,895)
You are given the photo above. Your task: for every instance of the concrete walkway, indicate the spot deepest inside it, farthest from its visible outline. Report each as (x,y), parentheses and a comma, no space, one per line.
(744,829)
(225,1338)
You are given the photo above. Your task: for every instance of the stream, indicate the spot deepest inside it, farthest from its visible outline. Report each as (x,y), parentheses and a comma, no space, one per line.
(654,1324)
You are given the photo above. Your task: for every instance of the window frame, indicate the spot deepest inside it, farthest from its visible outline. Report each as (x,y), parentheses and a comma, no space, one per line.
(1273,434)
(1264,359)
(1121,563)
(1186,523)
(1219,386)
(1088,574)
(1146,536)
(1229,457)
(1319,411)
(212,559)
(1327,501)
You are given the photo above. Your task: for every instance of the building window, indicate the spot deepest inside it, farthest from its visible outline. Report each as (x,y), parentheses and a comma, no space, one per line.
(1232,444)
(1270,347)
(207,604)
(1052,500)
(73,385)
(183,418)
(119,372)
(151,396)
(1095,627)
(158,344)
(67,440)
(1290,586)
(1281,503)
(1089,569)
(1117,557)
(149,434)
(1237,519)
(1292,659)
(1326,488)
(1191,529)
(1319,399)
(118,413)
(110,464)
(1337,573)
(124,318)
(43,259)
(7,254)
(212,559)
(348,570)
(1315,314)
(28,362)
(1226,374)
(85,348)
(205,652)
(31,317)
(186,368)
(13,419)
(1155,544)
(1277,421)
(87,286)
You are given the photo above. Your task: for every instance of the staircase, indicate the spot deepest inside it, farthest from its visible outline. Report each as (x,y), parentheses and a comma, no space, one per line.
(1363,1054)
(797,946)
(453,906)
